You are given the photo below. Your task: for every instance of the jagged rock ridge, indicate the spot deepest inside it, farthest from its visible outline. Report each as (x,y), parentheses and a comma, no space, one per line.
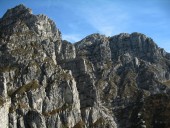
(99,82)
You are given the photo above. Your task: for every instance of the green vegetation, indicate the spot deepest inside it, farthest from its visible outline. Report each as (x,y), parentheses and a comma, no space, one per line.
(20,105)
(23,105)
(36,66)
(66,76)
(167,83)
(80,124)
(99,122)
(7,68)
(1,101)
(49,61)
(108,65)
(21,51)
(10,92)
(57,110)
(12,109)
(27,87)
(64,126)
(157,111)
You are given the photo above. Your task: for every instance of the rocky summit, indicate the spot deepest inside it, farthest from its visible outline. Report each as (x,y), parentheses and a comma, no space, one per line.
(121,81)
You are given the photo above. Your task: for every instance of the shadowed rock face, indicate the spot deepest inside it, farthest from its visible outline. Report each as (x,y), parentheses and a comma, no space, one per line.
(99,82)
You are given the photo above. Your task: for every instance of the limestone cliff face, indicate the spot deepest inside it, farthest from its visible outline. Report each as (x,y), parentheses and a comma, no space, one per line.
(99,82)
(42,94)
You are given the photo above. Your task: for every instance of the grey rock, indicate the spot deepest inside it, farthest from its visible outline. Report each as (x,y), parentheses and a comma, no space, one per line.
(98,82)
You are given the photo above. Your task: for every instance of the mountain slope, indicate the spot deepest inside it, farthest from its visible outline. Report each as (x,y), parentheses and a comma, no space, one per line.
(98,82)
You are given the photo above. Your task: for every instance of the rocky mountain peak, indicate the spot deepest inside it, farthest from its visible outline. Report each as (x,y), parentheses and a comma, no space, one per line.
(137,45)
(17,11)
(121,81)
(20,20)
(93,39)
(94,36)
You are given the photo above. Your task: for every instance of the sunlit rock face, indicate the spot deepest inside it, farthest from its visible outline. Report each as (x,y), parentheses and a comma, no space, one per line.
(121,81)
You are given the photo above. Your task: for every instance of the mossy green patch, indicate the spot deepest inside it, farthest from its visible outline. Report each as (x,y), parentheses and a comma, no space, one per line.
(7,68)
(57,110)
(99,122)
(27,87)
(2,101)
(167,83)
(80,124)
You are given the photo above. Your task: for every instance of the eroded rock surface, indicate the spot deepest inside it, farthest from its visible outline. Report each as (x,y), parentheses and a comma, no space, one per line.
(121,81)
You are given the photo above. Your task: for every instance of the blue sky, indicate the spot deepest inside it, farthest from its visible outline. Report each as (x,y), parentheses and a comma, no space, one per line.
(79,18)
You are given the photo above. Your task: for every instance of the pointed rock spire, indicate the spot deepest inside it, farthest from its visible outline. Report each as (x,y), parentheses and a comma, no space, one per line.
(17,11)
